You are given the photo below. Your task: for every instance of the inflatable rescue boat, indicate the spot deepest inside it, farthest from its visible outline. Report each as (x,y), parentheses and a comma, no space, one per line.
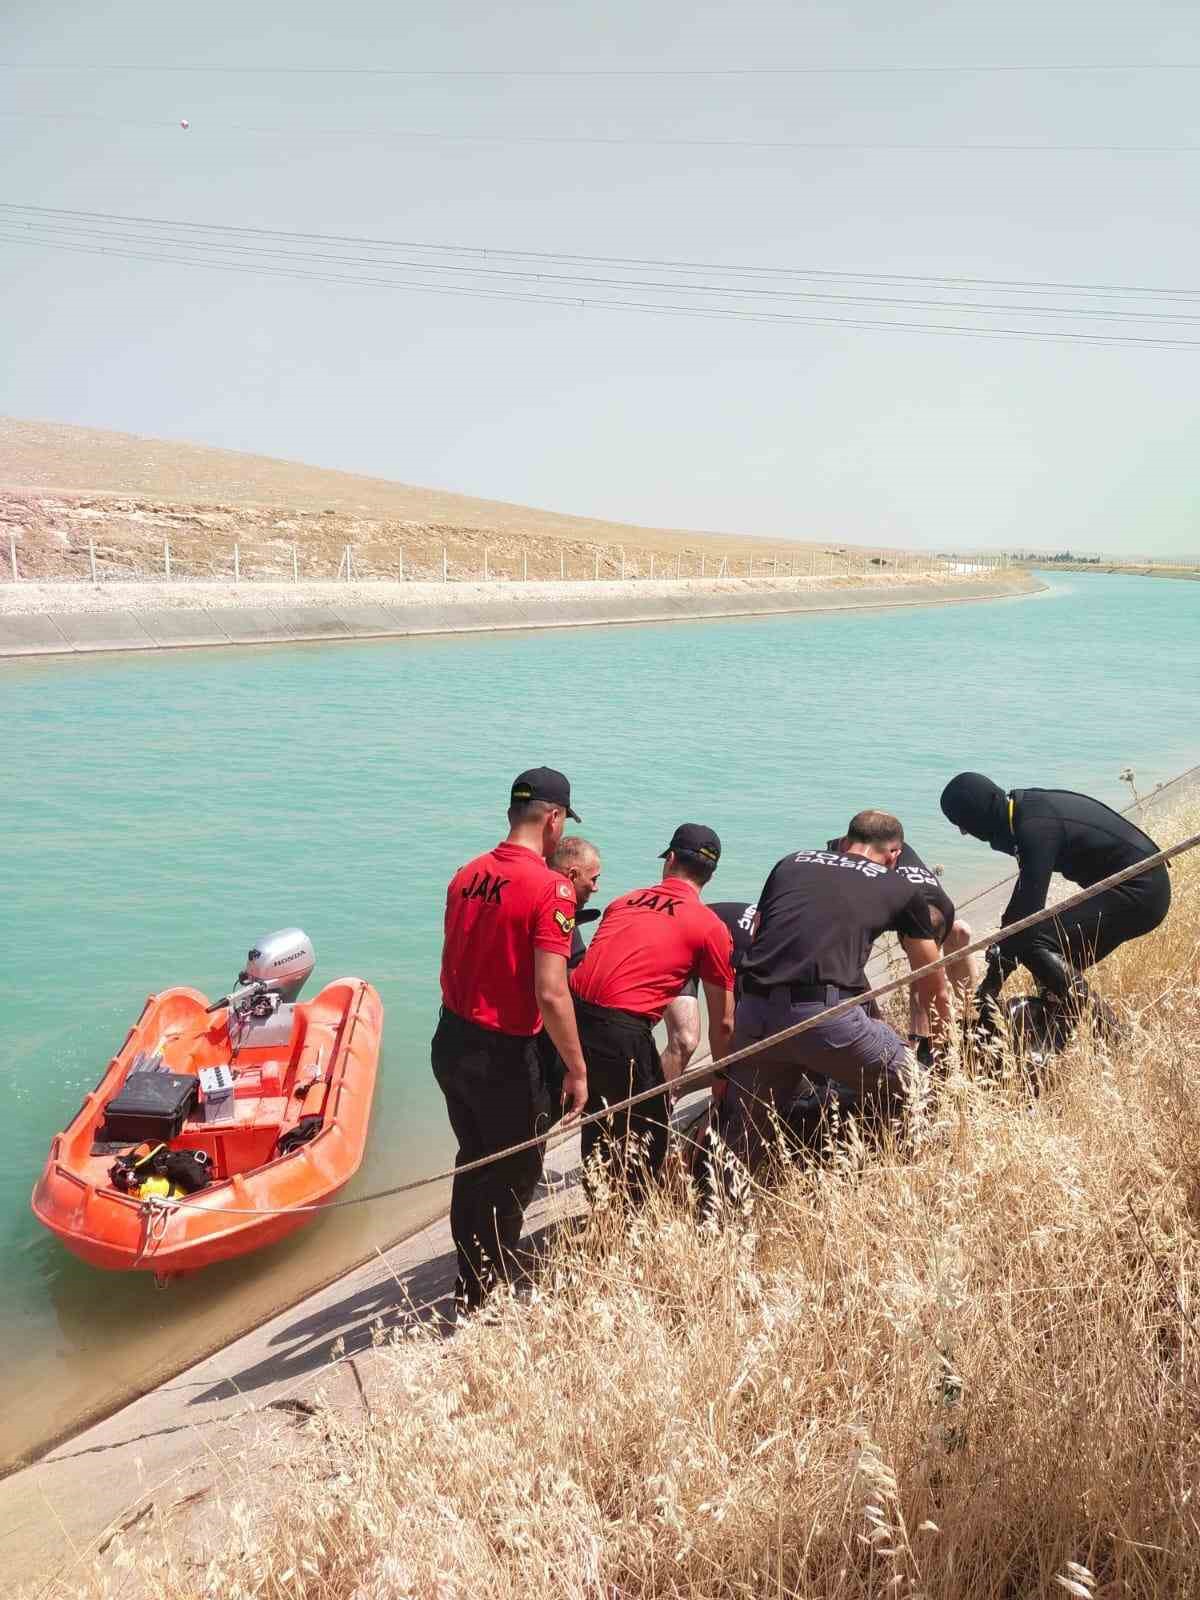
(217,1126)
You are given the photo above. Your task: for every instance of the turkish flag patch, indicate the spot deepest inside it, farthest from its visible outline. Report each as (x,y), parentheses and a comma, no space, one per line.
(566,891)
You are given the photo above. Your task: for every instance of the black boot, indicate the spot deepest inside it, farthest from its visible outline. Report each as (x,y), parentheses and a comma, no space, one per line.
(1069,998)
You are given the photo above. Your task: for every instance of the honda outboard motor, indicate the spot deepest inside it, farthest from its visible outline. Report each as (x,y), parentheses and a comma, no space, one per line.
(262,1007)
(283,961)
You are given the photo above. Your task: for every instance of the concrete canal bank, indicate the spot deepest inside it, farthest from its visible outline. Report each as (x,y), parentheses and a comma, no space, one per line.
(39,619)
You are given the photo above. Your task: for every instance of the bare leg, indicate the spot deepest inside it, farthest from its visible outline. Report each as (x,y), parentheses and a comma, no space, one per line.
(682,1022)
(962,973)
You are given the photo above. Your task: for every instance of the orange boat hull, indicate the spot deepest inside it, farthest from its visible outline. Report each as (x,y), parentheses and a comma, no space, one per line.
(258,1196)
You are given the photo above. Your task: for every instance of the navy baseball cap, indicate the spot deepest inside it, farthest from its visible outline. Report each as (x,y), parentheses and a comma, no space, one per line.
(544,783)
(693,839)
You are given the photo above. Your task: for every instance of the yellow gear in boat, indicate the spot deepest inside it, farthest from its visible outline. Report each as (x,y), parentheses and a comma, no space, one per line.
(159,1187)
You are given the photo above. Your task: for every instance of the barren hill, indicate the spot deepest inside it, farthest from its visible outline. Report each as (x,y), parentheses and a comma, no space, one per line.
(66,492)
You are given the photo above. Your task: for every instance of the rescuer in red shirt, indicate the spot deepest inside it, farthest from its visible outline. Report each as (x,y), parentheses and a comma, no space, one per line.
(509,922)
(642,954)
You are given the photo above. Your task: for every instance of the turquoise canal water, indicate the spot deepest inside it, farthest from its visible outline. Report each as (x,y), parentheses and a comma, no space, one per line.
(164,810)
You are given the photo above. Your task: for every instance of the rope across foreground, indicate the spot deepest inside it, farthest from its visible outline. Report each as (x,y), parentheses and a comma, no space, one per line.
(698,1077)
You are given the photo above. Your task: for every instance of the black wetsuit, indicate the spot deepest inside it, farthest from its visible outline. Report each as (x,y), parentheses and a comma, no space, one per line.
(1055,830)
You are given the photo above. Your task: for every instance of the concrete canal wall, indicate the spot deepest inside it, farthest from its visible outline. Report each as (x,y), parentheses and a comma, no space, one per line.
(127,620)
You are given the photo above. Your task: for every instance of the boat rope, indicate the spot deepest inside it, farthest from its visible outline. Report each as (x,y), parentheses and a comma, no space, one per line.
(155,1212)
(700,1076)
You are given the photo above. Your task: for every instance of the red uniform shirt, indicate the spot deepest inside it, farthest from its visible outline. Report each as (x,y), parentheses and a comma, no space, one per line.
(648,945)
(500,908)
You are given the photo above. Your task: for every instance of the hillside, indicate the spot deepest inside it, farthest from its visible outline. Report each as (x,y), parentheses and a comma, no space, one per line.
(62,485)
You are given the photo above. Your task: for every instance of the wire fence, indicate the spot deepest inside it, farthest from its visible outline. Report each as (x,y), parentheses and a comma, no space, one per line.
(278,561)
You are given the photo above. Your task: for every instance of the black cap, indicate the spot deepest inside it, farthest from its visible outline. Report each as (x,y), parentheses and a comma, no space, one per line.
(694,839)
(543,783)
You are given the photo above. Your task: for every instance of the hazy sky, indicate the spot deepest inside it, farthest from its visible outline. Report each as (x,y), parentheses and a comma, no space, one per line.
(781,428)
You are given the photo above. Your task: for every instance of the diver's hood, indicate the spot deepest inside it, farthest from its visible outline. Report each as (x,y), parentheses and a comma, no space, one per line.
(975,803)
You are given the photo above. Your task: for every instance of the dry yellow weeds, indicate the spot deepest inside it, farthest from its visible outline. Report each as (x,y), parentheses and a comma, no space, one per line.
(965,1366)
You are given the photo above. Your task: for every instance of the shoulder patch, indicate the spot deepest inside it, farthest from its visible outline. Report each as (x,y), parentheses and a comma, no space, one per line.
(566,923)
(565,890)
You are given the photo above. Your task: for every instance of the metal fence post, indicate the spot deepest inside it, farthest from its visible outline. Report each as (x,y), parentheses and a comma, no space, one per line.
(596,572)
(445,565)
(167,559)
(524,566)
(622,563)
(562,564)
(91,558)
(652,563)
(485,564)
(701,566)
(295,563)
(401,553)
(237,564)
(12,554)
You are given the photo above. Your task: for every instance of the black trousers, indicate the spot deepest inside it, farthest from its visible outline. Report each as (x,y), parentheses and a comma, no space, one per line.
(1080,938)
(622,1059)
(495,1096)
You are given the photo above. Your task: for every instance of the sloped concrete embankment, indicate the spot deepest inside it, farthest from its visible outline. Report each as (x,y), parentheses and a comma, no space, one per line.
(83,632)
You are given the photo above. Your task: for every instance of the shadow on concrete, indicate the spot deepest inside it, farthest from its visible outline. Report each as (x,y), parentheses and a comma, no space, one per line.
(423,1296)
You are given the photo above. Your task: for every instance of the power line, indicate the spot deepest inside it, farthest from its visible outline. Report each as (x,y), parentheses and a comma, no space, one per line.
(721,313)
(51,232)
(1025,285)
(602,141)
(808,70)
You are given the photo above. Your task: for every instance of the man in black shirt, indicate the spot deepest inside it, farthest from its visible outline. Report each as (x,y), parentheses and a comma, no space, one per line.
(681,1019)
(819,913)
(1049,831)
(949,930)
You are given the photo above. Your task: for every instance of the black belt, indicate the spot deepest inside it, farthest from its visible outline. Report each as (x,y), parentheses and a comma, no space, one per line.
(589,1011)
(491,1035)
(797,992)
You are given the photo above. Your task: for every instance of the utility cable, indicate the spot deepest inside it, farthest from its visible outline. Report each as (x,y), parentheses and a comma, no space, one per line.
(813,70)
(585,302)
(609,262)
(305,130)
(538,274)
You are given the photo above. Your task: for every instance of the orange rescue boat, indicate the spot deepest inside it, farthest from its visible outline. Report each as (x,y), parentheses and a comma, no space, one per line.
(169,1166)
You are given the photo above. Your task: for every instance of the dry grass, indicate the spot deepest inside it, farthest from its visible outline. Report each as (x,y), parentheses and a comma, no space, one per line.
(965,1366)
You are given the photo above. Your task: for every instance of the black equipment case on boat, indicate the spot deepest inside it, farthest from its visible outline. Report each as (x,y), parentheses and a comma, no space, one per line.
(150,1105)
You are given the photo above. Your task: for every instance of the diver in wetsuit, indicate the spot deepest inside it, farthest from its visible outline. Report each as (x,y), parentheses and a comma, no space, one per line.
(1053,830)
